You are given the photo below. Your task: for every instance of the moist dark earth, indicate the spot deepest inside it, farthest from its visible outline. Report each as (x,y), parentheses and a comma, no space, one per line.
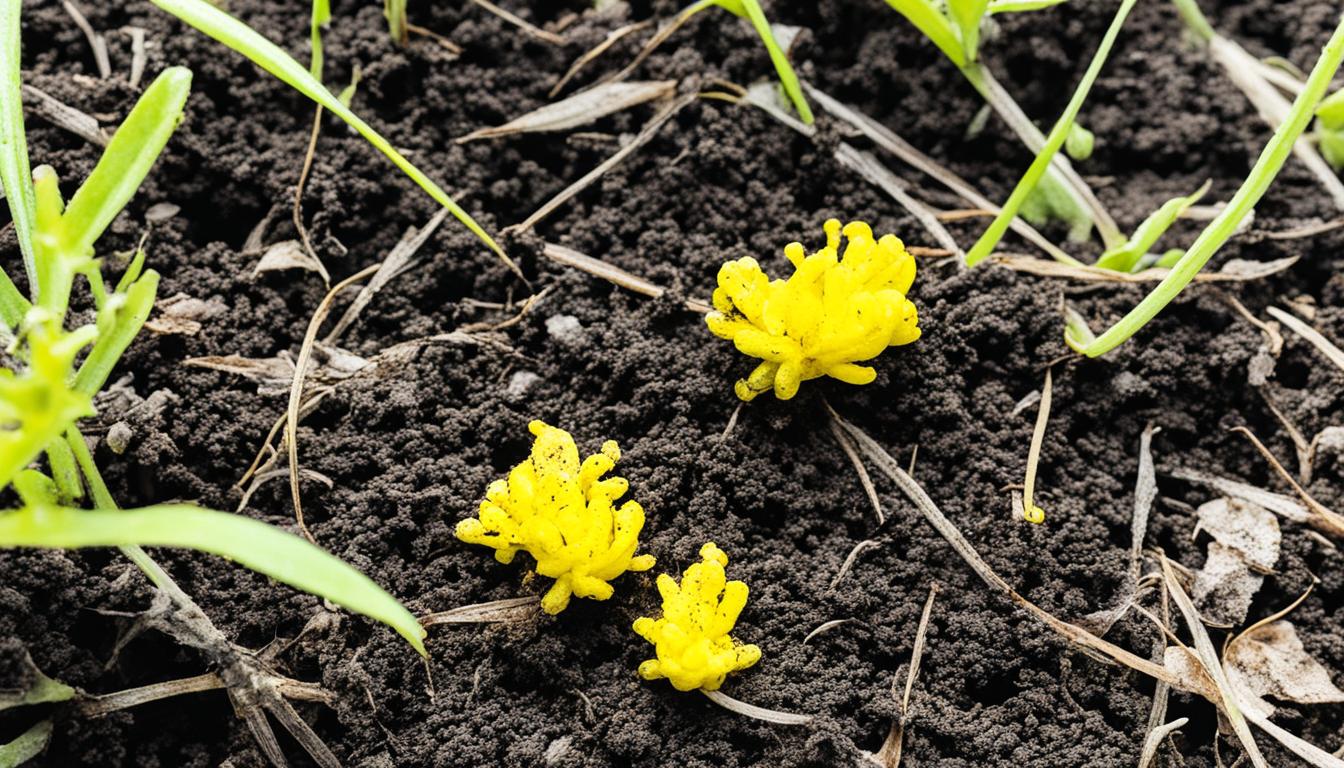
(411,444)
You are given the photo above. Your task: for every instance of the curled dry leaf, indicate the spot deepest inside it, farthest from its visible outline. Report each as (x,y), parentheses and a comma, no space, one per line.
(580,109)
(1270,661)
(1246,527)
(286,254)
(1246,545)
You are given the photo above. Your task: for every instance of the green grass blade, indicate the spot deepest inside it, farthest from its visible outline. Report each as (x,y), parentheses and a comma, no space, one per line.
(37,405)
(787,77)
(1126,258)
(968,15)
(397,25)
(267,55)
(126,161)
(1218,231)
(113,341)
(930,20)
(15,173)
(251,543)
(990,239)
(321,17)
(1018,6)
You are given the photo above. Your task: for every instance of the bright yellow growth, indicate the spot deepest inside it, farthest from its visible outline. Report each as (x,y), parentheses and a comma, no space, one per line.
(563,514)
(692,642)
(832,312)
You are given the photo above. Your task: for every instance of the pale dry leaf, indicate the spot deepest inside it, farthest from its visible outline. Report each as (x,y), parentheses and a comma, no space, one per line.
(1225,586)
(1270,661)
(1248,528)
(580,109)
(286,254)
(268,370)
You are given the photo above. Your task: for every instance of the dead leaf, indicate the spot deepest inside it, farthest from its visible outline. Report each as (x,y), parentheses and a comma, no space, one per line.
(1245,546)
(580,109)
(1225,586)
(1248,528)
(287,254)
(1270,661)
(182,314)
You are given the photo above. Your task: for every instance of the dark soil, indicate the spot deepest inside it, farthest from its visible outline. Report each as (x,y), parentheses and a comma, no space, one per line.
(411,447)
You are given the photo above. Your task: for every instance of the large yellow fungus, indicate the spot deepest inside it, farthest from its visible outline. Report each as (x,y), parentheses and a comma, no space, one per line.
(833,312)
(564,514)
(691,639)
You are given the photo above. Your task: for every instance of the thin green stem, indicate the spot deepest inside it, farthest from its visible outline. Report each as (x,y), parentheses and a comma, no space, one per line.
(1218,232)
(1195,19)
(102,499)
(990,239)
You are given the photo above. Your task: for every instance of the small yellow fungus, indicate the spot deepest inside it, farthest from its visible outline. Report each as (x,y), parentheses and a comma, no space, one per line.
(833,312)
(563,513)
(691,639)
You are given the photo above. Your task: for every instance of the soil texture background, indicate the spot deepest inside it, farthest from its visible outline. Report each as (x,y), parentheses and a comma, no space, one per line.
(410,444)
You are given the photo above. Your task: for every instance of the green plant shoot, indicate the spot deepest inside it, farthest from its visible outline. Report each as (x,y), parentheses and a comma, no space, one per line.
(251,543)
(397,25)
(990,239)
(1218,231)
(1018,6)
(267,55)
(1080,143)
(1330,129)
(751,11)
(1062,194)
(319,19)
(1129,257)
(968,14)
(42,401)
(14,171)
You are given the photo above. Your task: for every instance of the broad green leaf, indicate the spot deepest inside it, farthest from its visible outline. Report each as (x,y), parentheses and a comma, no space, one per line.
(1126,258)
(28,745)
(126,161)
(267,55)
(1018,6)
(37,405)
(15,174)
(1218,231)
(928,19)
(990,239)
(968,14)
(253,544)
(1050,201)
(121,322)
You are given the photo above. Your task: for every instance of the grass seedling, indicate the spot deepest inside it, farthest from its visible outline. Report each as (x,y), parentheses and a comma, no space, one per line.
(270,57)
(1062,194)
(751,11)
(1219,230)
(1260,82)
(1132,256)
(397,25)
(1058,135)
(46,392)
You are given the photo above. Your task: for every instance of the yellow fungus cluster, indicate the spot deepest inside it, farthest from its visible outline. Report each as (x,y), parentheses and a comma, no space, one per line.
(563,513)
(833,312)
(691,639)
